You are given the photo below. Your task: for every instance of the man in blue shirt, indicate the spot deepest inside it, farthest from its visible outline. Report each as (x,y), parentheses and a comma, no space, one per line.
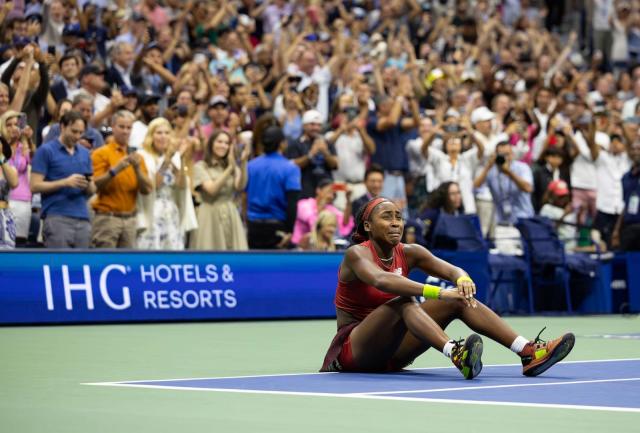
(61,171)
(626,234)
(511,184)
(272,190)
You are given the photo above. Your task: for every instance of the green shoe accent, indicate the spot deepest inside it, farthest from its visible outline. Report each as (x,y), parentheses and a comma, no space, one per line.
(540,353)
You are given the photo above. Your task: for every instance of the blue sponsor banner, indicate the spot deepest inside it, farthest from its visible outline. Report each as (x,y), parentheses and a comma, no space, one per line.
(85,287)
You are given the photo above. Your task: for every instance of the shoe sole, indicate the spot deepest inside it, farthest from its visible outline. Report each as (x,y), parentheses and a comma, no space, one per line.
(559,353)
(472,364)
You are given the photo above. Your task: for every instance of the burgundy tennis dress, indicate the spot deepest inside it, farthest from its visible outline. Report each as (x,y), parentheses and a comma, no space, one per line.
(359,300)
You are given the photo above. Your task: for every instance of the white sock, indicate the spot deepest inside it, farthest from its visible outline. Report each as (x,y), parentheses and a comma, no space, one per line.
(518,344)
(448,347)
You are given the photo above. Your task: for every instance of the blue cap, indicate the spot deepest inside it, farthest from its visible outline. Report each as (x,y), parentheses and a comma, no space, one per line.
(72,30)
(21,41)
(150,98)
(34,16)
(128,91)
(153,46)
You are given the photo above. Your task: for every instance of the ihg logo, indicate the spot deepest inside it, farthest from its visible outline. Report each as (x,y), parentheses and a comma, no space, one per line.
(85,285)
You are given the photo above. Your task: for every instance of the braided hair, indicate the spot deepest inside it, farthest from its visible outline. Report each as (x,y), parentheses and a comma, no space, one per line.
(364,214)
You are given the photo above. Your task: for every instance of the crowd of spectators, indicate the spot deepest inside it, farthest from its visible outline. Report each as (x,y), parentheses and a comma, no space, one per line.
(235,124)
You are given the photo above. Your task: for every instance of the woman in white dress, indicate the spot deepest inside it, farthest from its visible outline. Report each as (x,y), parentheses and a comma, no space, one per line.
(454,165)
(167,214)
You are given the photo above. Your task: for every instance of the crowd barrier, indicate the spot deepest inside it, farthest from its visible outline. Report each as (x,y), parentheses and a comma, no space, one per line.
(114,286)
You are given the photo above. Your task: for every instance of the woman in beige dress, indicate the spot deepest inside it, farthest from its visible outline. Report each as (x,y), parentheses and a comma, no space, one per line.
(218,177)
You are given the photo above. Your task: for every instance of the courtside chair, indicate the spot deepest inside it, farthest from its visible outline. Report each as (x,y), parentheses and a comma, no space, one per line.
(545,255)
(463,233)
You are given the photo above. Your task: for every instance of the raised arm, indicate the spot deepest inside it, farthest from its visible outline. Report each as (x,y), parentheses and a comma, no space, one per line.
(17,103)
(591,141)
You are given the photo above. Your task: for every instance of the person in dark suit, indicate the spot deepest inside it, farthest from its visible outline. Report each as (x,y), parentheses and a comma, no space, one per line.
(120,73)
(373,180)
(68,79)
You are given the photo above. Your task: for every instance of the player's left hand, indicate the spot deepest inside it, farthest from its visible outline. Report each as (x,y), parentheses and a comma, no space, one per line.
(467,288)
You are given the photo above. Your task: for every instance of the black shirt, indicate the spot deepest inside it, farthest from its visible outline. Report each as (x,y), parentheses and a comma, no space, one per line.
(317,168)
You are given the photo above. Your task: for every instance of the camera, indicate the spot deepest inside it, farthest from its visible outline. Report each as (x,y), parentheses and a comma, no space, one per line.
(452,129)
(90,140)
(500,159)
(182,110)
(585,119)
(22,121)
(351,112)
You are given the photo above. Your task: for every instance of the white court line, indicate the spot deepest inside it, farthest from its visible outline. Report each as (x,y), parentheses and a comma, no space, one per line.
(371,396)
(515,385)
(317,373)
(376,397)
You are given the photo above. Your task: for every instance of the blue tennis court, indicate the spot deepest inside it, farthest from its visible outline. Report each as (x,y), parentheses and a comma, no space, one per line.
(612,385)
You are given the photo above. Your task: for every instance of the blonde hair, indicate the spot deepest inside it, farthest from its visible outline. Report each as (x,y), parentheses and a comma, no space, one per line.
(325,217)
(147,143)
(8,115)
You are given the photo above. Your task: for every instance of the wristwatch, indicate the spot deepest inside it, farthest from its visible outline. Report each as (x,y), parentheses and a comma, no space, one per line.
(112,172)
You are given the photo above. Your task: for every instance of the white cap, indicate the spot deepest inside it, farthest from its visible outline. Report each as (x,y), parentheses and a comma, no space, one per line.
(312,116)
(452,112)
(481,114)
(468,75)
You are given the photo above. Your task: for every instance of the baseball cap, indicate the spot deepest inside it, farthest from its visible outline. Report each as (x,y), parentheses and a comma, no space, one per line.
(21,41)
(149,98)
(558,187)
(433,76)
(128,91)
(312,116)
(468,75)
(218,100)
(137,16)
(359,13)
(34,16)
(481,114)
(153,46)
(72,30)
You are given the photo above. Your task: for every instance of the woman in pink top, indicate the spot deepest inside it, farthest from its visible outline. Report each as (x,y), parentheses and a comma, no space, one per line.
(309,208)
(19,197)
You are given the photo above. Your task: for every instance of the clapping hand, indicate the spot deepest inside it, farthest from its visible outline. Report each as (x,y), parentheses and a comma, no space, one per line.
(231,156)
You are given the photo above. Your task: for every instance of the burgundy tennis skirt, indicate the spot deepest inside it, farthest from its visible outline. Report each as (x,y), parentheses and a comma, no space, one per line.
(339,357)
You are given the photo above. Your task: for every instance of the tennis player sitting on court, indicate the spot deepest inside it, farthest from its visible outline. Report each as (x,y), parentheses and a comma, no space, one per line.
(382,328)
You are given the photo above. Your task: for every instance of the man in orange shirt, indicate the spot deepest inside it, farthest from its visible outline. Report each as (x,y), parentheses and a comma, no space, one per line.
(119,177)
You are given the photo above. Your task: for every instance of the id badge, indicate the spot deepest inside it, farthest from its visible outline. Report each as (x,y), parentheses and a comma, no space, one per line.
(634,204)
(507,209)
